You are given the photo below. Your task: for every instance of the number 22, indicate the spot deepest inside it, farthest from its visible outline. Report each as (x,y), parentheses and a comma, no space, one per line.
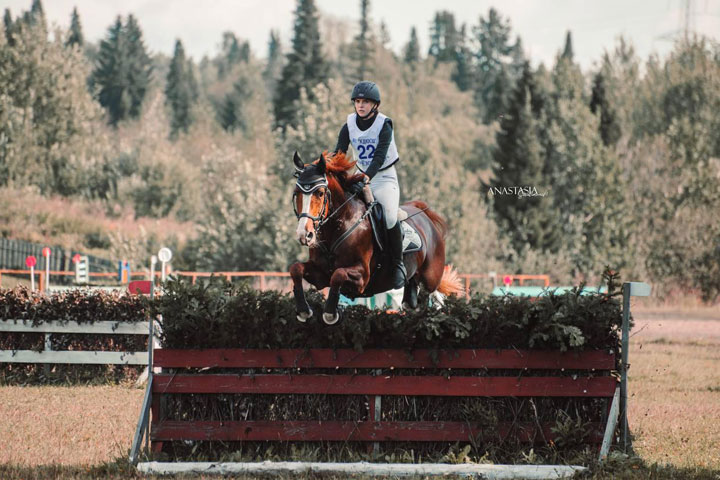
(366,151)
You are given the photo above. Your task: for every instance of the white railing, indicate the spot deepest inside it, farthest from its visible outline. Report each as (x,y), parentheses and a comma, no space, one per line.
(48,355)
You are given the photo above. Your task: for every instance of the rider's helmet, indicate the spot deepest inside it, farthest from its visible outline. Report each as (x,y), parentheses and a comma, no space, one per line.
(367,90)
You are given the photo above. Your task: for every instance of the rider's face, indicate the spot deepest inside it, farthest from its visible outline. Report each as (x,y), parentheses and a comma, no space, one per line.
(363,106)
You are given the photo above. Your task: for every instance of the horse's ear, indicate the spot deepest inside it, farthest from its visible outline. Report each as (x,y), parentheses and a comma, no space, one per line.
(321,163)
(299,165)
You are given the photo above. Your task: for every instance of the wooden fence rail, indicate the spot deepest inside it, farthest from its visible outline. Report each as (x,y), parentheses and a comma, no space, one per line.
(592,377)
(50,356)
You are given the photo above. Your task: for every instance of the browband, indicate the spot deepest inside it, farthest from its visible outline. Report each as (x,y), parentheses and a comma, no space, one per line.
(312,185)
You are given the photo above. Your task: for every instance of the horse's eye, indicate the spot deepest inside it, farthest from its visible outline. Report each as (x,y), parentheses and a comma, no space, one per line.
(319,193)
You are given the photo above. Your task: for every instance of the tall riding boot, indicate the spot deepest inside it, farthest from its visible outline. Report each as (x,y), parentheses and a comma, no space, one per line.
(399,274)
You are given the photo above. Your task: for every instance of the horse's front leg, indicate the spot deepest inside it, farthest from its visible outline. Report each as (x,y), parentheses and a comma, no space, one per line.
(306,270)
(353,275)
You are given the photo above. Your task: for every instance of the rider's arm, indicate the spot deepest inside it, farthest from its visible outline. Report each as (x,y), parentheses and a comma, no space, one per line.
(343,141)
(381,151)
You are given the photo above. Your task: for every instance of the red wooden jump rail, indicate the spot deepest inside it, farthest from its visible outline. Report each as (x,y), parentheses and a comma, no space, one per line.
(592,379)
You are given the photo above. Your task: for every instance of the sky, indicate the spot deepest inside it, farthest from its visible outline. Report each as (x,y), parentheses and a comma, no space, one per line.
(596,25)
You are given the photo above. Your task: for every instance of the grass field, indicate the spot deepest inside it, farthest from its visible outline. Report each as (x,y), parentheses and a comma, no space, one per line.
(674,410)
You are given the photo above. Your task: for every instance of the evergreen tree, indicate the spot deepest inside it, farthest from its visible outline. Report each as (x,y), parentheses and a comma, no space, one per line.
(412,49)
(305,65)
(384,35)
(492,55)
(233,52)
(273,68)
(520,163)
(123,71)
(363,46)
(599,105)
(444,37)
(462,73)
(517,60)
(36,15)
(139,66)
(231,112)
(76,35)
(568,50)
(180,91)
(9,27)
(110,74)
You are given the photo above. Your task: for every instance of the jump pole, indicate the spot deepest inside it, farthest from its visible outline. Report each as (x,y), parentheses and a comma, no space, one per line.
(630,289)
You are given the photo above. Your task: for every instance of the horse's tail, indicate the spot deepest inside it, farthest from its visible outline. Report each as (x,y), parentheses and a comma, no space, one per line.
(450,283)
(434,217)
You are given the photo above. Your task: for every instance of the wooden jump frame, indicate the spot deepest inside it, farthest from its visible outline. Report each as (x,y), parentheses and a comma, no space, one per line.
(594,380)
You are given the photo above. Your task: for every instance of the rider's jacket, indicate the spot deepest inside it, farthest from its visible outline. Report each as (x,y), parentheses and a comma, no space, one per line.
(365,142)
(373,141)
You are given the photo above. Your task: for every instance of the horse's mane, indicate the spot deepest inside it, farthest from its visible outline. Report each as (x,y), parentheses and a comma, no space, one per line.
(338,166)
(338,163)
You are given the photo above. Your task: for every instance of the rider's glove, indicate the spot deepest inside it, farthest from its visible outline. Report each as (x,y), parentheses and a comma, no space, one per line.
(356,187)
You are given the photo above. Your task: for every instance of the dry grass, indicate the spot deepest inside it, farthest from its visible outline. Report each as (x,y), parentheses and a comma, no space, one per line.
(67,425)
(674,409)
(674,388)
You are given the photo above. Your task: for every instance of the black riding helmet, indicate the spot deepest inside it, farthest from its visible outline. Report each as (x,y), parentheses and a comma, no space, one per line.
(366,90)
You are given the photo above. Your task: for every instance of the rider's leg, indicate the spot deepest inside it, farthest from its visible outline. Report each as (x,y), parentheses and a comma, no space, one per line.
(386,190)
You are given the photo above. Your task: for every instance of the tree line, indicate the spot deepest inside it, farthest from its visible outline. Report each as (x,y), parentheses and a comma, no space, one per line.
(546,169)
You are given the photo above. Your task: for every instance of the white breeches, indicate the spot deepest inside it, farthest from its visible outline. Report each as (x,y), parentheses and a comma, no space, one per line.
(386,190)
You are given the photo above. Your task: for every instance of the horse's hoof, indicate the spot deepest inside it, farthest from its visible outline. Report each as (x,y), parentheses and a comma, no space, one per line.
(331,318)
(303,316)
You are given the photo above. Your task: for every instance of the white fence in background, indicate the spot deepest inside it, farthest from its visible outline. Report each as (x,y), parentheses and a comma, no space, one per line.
(84,357)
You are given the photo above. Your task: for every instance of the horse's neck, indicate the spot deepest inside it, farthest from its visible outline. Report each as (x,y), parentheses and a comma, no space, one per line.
(344,214)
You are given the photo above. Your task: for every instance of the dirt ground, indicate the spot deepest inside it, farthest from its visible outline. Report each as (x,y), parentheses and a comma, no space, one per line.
(674,404)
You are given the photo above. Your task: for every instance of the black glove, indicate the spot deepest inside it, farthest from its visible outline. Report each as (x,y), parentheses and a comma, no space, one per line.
(356,187)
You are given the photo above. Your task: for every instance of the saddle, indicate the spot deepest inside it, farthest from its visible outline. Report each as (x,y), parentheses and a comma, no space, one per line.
(411,239)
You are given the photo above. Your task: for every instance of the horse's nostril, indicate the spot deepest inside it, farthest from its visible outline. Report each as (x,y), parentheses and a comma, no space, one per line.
(309,236)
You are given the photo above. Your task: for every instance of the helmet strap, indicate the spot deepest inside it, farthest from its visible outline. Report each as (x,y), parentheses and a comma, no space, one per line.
(372,112)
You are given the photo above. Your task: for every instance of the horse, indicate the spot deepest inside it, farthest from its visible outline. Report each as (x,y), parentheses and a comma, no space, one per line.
(336,226)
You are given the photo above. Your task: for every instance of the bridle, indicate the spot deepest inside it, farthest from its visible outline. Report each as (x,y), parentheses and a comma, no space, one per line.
(309,188)
(324,216)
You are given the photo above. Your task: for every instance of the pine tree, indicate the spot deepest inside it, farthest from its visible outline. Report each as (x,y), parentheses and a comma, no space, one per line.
(520,163)
(492,55)
(384,35)
(568,50)
(599,105)
(444,37)
(139,66)
(36,15)
(180,91)
(231,113)
(76,35)
(517,60)
(273,68)
(412,49)
(233,52)
(462,73)
(110,74)
(123,71)
(305,66)
(9,27)
(363,45)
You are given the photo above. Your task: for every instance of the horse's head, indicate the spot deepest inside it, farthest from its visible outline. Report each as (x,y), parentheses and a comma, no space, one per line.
(311,198)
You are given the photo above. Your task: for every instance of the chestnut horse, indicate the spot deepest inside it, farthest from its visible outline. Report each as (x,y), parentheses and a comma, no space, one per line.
(335,226)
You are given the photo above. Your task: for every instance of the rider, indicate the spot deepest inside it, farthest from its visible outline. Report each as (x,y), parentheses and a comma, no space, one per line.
(371,135)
